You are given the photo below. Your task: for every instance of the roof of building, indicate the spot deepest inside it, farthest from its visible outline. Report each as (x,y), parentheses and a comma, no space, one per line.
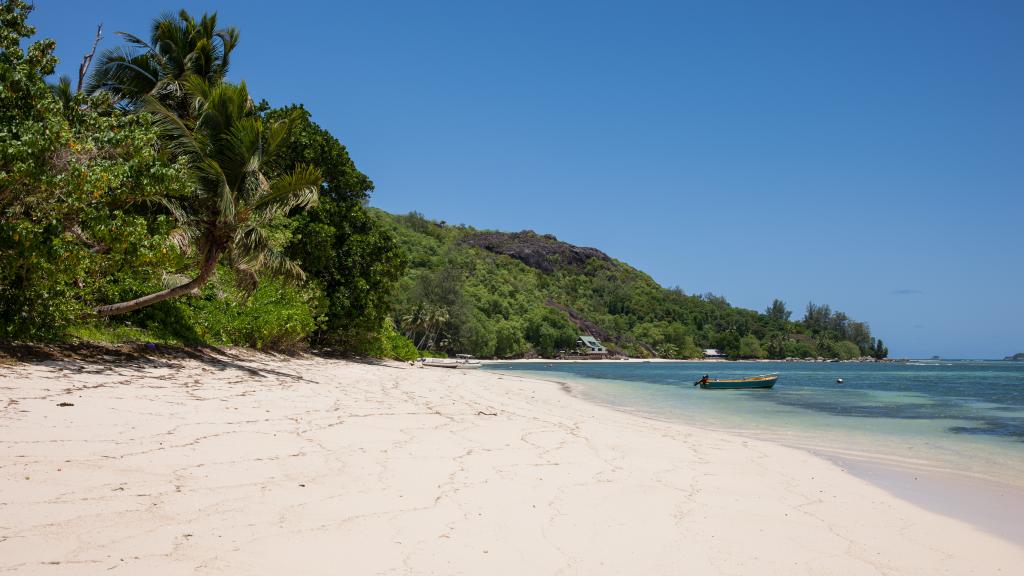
(590,340)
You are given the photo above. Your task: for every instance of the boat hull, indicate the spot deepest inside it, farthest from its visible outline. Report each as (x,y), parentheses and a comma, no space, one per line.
(454,365)
(746,384)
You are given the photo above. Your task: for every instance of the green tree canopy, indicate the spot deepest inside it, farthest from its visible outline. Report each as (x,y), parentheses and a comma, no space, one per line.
(339,243)
(778,311)
(179,47)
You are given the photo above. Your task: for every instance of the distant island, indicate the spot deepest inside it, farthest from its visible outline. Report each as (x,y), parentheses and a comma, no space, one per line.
(1017,356)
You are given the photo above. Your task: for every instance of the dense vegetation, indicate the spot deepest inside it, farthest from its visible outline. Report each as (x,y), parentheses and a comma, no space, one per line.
(160,202)
(509,295)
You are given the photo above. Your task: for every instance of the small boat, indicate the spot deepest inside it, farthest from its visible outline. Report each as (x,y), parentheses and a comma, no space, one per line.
(460,362)
(762,381)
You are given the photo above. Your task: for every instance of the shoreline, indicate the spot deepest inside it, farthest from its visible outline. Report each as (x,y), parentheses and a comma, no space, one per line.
(252,463)
(694,360)
(988,503)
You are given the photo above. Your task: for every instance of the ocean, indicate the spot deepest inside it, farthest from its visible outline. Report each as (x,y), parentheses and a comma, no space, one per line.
(946,434)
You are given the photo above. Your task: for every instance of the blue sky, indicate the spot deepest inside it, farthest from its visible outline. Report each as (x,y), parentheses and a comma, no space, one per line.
(868,154)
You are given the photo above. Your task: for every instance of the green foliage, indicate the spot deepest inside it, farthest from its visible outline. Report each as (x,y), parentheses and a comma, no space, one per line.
(822,322)
(549,331)
(879,350)
(277,315)
(232,209)
(77,185)
(798,347)
(460,299)
(108,332)
(778,311)
(339,243)
(179,48)
(845,350)
(386,342)
(99,205)
(750,347)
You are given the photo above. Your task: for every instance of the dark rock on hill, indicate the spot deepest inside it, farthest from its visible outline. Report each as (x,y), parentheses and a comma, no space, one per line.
(542,252)
(584,325)
(1017,356)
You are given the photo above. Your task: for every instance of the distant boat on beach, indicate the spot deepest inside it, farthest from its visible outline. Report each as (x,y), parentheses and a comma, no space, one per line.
(762,381)
(460,362)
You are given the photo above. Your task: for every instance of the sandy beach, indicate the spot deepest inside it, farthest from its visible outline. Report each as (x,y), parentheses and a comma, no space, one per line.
(243,463)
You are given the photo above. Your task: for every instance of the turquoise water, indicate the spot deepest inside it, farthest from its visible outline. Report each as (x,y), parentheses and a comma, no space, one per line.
(963,417)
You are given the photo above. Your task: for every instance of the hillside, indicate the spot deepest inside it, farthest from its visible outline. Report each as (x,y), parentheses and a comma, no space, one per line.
(505,295)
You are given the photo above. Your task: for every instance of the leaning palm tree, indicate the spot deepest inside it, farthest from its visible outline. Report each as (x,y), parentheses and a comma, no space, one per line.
(226,146)
(178,47)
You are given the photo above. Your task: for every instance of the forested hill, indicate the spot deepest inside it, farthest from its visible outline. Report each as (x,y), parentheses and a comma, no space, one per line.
(498,294)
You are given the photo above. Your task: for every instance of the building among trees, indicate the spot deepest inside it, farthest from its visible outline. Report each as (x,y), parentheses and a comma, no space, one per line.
(591,346)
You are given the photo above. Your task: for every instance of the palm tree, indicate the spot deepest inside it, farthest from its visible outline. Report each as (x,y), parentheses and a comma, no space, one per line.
(226,146)
(178,47)
(62,91)
(413,322)
(435,319)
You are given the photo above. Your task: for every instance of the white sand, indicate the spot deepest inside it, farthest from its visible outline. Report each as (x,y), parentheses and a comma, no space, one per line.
(268,466)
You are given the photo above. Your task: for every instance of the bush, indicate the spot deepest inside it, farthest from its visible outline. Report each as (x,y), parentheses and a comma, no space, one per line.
(845,350)
(386,342)
(277,316)
(750,347)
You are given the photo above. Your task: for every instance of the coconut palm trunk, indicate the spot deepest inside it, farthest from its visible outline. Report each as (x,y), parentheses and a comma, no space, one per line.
(205,272)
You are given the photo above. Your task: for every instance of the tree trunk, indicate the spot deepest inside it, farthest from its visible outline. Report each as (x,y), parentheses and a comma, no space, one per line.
(83,68)
(205,271)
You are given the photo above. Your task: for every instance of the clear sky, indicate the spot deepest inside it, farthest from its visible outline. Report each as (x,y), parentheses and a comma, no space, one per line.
(864,154)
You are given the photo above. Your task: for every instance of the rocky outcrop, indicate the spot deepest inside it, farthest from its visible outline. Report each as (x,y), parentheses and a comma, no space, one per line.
(542,252)
(585,326)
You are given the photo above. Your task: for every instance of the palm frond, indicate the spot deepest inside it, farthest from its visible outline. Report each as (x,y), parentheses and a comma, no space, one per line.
(177,135)
(253,249)
(277,136)
(212,184)
(228,40)
(245,277)
(244,147)
(275,262)
(184,238)
(125,72)
(62,91)
(301,188)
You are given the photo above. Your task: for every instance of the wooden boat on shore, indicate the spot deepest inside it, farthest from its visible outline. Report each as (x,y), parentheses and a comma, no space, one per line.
(761,381)
(460,362)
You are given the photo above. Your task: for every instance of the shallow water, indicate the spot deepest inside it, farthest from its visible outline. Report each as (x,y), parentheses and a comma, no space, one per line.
(963,417)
